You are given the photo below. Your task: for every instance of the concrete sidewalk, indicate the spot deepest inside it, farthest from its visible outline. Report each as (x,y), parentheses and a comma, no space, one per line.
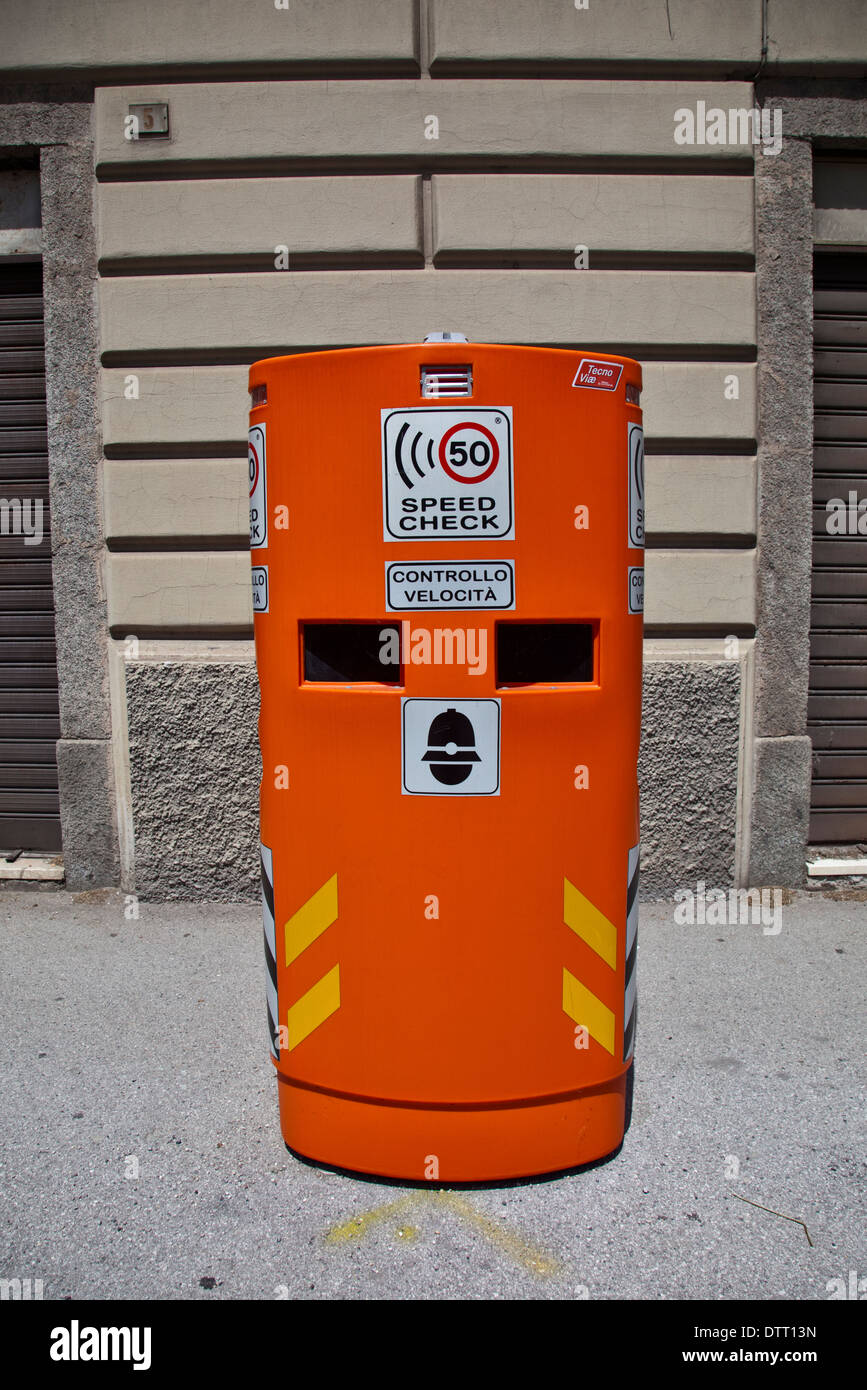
(139,1046)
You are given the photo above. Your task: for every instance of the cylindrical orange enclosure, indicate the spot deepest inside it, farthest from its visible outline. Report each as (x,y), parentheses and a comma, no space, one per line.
(447,562)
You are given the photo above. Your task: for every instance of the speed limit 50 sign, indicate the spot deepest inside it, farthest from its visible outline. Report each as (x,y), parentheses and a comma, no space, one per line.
(447,474)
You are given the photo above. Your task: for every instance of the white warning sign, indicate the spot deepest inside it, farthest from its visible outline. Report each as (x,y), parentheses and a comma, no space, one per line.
(260,588)
(447,474)
(258,488)
(450,747)
(636,589)
(426,584)
(635,438)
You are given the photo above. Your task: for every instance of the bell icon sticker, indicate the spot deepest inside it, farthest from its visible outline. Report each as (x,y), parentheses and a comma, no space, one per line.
(451,747)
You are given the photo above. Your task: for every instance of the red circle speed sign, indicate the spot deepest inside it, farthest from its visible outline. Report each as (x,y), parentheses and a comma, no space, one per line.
(253,459)
(478,458)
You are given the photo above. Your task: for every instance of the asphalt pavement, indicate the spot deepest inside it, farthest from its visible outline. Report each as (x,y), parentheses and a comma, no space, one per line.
(141,1157)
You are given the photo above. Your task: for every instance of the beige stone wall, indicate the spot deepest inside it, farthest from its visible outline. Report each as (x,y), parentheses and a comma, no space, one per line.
(390,234)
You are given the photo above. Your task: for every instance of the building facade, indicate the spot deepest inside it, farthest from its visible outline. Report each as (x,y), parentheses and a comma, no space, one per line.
(185,188)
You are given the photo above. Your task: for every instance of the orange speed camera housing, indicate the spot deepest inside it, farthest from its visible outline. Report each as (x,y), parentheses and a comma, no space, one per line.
(447,562)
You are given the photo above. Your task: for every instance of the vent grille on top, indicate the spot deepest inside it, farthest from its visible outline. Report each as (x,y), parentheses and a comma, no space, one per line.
(447,381)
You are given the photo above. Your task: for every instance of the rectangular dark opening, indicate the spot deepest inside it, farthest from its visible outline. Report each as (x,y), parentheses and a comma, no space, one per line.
(544,653)
(352,652)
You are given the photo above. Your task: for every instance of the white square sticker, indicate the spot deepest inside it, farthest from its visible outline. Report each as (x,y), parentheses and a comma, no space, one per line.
(450,747)
(447,474)
(635,440)
(258,488)
(636,588)
(260,588)
(411,586)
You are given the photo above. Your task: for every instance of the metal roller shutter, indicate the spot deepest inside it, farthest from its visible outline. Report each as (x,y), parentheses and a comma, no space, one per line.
(837,718)
(29,719)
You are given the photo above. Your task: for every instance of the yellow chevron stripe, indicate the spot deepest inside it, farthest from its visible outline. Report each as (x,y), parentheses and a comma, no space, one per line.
(319,1003)
(583,1007)
(589,923)
(311,920)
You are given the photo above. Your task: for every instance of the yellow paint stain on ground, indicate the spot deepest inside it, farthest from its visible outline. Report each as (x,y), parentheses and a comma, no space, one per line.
(509,1242)
(359,1226)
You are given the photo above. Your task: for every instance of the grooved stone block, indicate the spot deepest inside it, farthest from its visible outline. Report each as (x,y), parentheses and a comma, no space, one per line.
(157,498)
(257,313)
(696,400)
(342,120)
(179,590)
(604,212)
(809,36)
(704,494)
(80,35)
(234,217)
(556,31)
(700,589)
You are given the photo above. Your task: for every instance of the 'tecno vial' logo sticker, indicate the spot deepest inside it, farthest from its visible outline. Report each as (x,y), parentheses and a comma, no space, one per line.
(597,375)
(447,474)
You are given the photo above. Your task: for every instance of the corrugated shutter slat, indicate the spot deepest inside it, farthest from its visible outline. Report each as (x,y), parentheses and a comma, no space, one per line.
(837,706)
(29,723)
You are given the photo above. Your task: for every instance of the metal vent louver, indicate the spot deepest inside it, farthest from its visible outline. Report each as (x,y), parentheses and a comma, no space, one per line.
(449,380)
